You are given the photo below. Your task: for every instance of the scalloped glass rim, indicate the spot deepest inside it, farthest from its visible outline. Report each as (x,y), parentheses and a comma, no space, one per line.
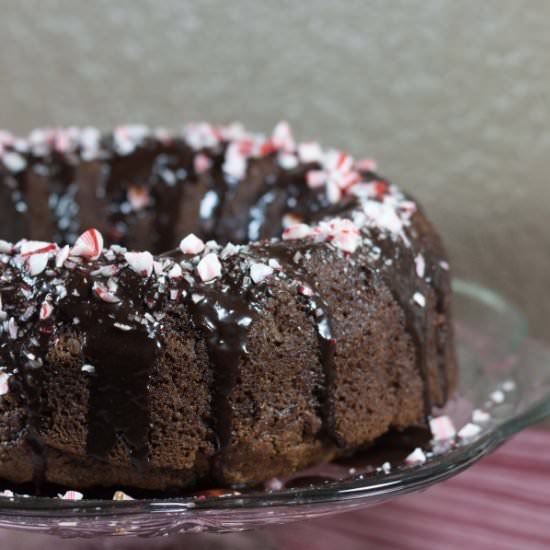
(493,345)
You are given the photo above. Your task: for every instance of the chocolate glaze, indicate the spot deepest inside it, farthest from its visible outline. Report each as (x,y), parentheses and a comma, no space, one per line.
(224,318)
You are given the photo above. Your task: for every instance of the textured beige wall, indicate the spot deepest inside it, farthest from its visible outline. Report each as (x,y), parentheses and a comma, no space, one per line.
(452,97)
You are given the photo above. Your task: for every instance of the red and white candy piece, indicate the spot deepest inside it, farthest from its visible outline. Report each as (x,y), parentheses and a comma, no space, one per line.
(140,262)
(259,272)
(209,267)
(103,293)
(442,428)
(89,245)
(343,234)
(30,248)
(191,244)
(46,310)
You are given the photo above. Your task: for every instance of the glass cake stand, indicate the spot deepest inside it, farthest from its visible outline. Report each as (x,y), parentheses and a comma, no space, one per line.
(501,373)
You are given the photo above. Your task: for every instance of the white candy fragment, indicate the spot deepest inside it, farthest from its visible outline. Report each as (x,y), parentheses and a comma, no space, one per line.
(62,255)
(297,231)
(14,162)
(468,431)
(71,495)
(480,417)
(416,457)
(191,244)
(420,264)
(419,299)
(88,368)
(4,386)
(5,247)
(259,272)
(140,262)
(209,267)
(36,264)
(120,496)
(497,397)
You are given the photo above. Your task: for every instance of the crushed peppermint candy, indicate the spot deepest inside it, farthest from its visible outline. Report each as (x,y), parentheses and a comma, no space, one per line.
(175,272)
(36,264)
(140,262)
(201,163)
(419,299)
(5,247)
(416,457)
(62,256)
(442,428)
(310,152)
(191,244)
(104,293)
(71,495)
(259,272)
(46,310)
(30,248)
(480,417)
(469,431)
(420,264)
(4,382)
(14,162)
(121,496)
(209,267)
(297,231)
(497,397)
(229,250)
(89,245)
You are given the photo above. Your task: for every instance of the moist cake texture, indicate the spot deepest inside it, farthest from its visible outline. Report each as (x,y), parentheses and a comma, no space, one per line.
(208,307)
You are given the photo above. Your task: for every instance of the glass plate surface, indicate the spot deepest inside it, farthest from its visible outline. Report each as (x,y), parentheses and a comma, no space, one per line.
(501,372)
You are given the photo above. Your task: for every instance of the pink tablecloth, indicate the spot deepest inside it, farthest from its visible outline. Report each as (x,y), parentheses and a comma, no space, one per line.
(501,503)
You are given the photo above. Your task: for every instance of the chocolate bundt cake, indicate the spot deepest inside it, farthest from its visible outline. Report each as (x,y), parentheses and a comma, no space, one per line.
(208,307)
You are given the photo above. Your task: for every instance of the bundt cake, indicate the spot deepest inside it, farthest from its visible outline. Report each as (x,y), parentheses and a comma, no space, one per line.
(208,307)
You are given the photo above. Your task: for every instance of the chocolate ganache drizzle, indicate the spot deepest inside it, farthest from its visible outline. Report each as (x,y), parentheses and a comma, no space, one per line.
(143,189)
